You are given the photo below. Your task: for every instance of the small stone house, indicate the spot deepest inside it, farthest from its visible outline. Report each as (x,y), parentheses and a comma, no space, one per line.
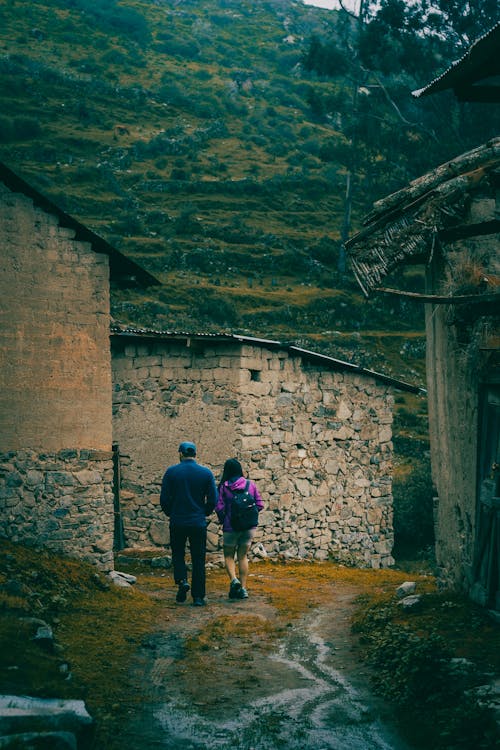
(56,467)
(449,221)
(313,432)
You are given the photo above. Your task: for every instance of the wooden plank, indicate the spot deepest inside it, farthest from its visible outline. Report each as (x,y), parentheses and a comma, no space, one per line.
(437,299)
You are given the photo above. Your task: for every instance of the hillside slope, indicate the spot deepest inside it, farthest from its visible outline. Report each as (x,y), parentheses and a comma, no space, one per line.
(183,134)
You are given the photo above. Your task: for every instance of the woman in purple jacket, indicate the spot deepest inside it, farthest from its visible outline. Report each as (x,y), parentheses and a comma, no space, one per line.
(236,543)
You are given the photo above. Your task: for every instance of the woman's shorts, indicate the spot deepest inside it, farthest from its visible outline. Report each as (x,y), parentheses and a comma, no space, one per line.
(237,538)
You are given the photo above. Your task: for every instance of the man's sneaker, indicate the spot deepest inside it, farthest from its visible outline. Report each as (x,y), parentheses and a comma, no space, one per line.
(234,589)
(243,593)
(182,591)
(197,602)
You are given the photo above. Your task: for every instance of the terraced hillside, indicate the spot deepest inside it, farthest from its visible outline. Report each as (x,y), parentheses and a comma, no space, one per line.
(183,132)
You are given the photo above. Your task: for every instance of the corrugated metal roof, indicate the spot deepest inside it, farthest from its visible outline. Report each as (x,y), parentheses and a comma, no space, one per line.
(122,269)
(480,63)
(315,357)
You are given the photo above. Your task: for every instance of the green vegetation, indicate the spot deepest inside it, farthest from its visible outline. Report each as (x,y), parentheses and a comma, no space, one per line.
(413,511)
(428,663)
(211,143)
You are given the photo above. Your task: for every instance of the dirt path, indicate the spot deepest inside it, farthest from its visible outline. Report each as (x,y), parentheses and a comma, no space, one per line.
(253,674)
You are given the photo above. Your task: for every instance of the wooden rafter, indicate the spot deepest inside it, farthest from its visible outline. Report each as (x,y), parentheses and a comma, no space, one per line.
(438,299)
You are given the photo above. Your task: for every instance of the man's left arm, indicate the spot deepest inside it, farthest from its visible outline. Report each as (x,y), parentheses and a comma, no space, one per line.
(165,496)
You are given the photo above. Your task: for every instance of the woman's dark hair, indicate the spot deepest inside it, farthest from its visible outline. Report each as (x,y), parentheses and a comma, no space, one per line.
(232,470)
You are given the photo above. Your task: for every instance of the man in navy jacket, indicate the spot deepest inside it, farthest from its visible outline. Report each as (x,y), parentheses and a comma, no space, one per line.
(188,496)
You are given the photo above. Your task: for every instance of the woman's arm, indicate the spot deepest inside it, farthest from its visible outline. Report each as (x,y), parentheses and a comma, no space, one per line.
(220,507)
(258,500)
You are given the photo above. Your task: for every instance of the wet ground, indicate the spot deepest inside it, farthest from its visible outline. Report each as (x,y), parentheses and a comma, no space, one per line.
(217,678)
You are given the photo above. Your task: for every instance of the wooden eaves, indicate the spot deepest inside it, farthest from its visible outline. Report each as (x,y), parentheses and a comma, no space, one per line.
(407,226)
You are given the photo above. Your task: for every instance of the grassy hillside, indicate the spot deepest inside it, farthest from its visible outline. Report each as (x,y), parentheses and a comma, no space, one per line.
(183,133)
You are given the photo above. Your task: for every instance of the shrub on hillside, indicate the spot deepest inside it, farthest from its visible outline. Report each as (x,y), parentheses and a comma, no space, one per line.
(116,18)
(186,222)
(174,94)
(114,57)
(6,129)
(326,251)
(26,127)
(179,173)
(129,225)
(184,48)
(211,306)
(413,511)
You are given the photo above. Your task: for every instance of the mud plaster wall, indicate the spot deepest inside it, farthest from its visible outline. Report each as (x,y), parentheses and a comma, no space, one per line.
(453,427)
(456,369)
(316,441)
(55,385)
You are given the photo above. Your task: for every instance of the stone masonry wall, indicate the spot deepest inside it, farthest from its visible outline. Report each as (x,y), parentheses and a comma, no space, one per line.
(55,385)
(62,501)
(316,441)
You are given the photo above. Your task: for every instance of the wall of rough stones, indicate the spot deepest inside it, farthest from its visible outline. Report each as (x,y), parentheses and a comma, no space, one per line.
(61,501)
(55,385)
(317,441)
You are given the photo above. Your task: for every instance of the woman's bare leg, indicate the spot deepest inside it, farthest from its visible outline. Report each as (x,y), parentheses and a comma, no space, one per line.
(242,553)
(229,561)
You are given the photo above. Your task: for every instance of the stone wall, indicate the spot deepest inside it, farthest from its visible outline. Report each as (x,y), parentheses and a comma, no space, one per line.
(317,441)
(61,501)
(55,385)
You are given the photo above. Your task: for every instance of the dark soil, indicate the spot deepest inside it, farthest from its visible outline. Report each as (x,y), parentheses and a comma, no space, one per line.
(279,670)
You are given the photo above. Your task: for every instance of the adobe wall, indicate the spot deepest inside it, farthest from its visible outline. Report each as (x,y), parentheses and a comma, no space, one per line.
(453,426)
(457,368)
(55,381)
(317,442)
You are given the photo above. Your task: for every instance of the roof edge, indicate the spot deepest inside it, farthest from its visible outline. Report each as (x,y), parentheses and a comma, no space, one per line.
(446,79)
(117,261)
(331,362)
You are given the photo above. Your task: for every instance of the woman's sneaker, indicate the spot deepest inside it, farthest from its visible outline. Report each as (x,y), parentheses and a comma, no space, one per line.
(243,593)
(235,589)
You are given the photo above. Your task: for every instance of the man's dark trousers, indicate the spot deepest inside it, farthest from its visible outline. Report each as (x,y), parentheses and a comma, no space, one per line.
(197,538)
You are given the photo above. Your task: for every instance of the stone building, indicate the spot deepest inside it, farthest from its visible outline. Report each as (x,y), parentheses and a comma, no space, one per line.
(448,221)
(56,468)
(313,432)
